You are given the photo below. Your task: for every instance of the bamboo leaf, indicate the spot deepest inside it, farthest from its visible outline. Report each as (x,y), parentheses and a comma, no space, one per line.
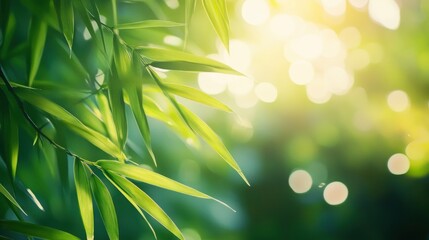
(152,178)
(109,123)
(67,21)
(9,197)
(132,202)
(147,204)
(134,95)
(37,35)
(74,124)
(195,95)
(148,24)
(10,130)
(178,60)
(218,15)
(116,97)
(202,129)
(34,230)
(84,198)
(106,207)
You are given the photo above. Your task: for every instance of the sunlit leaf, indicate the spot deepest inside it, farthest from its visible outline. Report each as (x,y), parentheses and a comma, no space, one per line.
(195,95)
(178,60)
(116,97)
(132,202)
(67,20)
(84,198)
(107,115)
(218,15)
(37,35)
(202,129)
(106,207)
(149,24)
(9,197)
(135,98)
(34,230)
(10,136)
(152,178)
(147,204)
(72,122)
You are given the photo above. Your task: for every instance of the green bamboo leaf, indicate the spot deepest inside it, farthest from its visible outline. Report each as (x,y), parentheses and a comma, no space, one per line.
(170,117)
(107,115)
(37,35)
(34,230)
(152,178)
(10,131)
(74,124)
(44,10)
(116,98)
(218,15)
(106,207)
(147,204)
(195,95)
(67,21)
(148,24)
(178,60)
(132,202)
(9,197)
(202,129)
(135,99)
(84,198)
(84,16)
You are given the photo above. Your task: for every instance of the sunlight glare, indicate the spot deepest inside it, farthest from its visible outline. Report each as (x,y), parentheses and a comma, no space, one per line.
(266,92)
(385,12)
(335,193)
(300,181)
(255,12)
(358,3)
(301,72)
(398,101)
(172,40)
(212,83)
(240,55)
(239,85)
(334,7)
(283,25)
(308,46)
(398,164)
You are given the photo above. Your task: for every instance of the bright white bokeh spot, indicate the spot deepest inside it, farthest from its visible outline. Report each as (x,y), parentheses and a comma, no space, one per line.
(308,46)
(398,164)
(317,91)
(172,40)
(246,101)
(99,77)
(255,12)
(351,37)
(332,46)
(212,83)
(239,85)
(398,101)
(338,80)
(240,55)
(335,193)
(358,3)
(300,181)
(283,25)
(385,12)
(358,59)
(86,33)
(334,7)
(266,92)
(301,72)
(173,4)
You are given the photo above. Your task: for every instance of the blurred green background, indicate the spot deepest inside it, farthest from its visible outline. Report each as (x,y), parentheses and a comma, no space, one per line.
(334,90)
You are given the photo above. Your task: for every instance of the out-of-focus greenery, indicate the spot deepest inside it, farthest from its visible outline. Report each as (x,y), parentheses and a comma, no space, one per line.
(365,101)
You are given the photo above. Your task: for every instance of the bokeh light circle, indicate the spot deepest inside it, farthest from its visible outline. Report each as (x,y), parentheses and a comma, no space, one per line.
(335,193)
(300,181)
(255,12)
(398,164)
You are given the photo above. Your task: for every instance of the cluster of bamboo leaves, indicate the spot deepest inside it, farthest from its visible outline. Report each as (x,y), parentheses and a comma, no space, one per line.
(132,82)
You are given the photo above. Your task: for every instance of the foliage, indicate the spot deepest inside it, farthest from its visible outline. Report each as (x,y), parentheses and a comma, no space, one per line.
(106,78)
